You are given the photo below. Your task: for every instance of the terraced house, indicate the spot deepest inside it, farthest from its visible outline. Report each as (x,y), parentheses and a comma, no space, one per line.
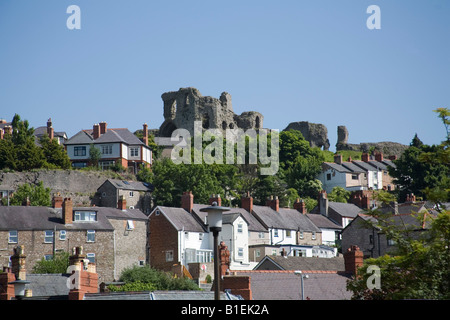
(112,238)
(116,146)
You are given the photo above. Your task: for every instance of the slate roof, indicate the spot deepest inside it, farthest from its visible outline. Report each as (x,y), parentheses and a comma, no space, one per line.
(285,285)
(48,286)
(181,219)
(364,165)
(47,218)
(160,295)
(352,167)
(345,209)
(322,222)
(337,167)
(301,263)
(253,223)
(129,185)
(288,219)
(113,135)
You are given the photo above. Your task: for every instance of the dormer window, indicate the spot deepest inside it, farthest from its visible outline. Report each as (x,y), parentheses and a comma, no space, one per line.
(85,216)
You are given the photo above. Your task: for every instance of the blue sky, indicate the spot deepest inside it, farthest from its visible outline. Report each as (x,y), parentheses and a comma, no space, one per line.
(291,60)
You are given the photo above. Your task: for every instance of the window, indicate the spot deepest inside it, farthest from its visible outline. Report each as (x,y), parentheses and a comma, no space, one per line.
(134,152)
(275,232)
(200,236)
(355,176)
(48,236)
(79,151)
(85,216)
(48,257)
(261,235)
(391,242)
(301,234)
(328,176)
(13,236)
(107,149)
(313,236)
(105,165)
(90,236)
(240,252)
(157,213)
(186,235)
(370,239)
(288,233)
(62,235)
(130,225)
(274,252)
(239,228)
(91,257)
(131,194)
(258,253)
(169,255)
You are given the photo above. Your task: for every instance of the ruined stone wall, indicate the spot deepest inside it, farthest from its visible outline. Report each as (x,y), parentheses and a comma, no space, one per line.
(185,106)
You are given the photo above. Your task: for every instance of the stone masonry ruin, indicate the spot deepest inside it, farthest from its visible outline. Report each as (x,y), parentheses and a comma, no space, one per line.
(185,106)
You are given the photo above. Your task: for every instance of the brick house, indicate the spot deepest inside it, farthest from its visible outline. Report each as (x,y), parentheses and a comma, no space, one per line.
(136,194)
(116,146)
(112,238)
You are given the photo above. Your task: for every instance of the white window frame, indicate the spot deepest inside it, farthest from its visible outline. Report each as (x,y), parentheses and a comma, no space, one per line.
(48,234)
(106,149)
(313,235)
(88,216)
(11,237)
(91,257)
(130,225)
(134,151)
(240,228)
(240,252)
(90,235)
(169,255)
(62,235)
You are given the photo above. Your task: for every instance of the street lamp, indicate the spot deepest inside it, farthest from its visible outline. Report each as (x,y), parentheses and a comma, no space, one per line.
(215,226)
(19,288)
(302,276)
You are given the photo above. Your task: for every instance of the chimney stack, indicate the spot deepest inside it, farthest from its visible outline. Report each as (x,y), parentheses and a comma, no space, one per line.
(365,157)
(1,134)
(300,205)
(353,259)
(145,132)
(7,291)
(18,263)
(365,202)
(122,203)
(379,156)
(338,158)
(273,202)
(215,198)
(57,202)
(103,127)
(187,201)
(86,274)
(67,211)
(96,131)
(323,203)
(50,131)
(247,202)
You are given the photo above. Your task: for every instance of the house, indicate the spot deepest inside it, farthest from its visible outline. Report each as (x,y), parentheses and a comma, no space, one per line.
(338,212)
(331,231)
(117,146)
(372,241)
(356,175)
(134,194)
(112,238)
(180,236)
(60,136)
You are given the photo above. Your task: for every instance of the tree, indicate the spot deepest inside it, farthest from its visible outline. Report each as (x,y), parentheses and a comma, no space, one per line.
(148,278)
(420,269)
(55,155)
(58,264)
(38,195)
(339,194)
(94,155)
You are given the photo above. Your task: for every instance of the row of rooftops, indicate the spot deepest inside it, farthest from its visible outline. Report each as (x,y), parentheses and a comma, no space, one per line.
(367,163)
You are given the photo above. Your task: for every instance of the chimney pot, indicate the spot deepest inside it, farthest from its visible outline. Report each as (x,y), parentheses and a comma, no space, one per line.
(215,198)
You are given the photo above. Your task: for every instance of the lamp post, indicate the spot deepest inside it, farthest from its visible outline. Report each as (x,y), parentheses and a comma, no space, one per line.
(215,226)
(302,276)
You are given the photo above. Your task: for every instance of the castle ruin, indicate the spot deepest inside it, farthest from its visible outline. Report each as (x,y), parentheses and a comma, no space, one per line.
(185,106)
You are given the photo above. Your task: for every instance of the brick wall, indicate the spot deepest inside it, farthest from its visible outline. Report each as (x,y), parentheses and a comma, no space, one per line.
(162,237)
